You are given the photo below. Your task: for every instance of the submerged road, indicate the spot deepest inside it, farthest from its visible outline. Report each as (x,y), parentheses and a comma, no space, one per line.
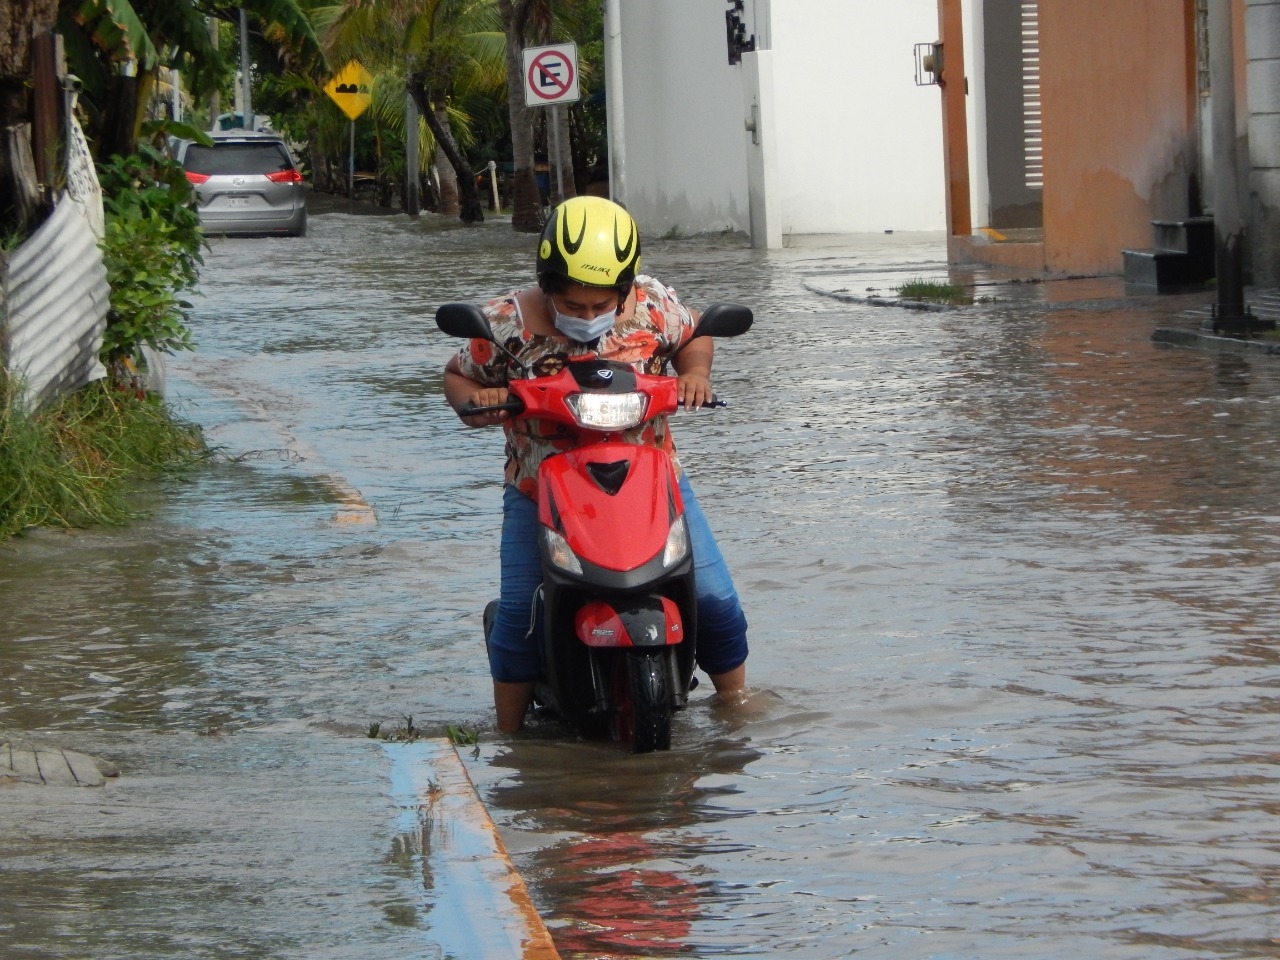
(1011,577)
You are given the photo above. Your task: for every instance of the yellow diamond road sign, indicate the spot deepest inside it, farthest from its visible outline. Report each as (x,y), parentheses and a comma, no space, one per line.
(351,89)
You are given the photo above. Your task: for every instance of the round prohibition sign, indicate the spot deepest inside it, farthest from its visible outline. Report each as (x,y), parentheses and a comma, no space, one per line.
(552,72)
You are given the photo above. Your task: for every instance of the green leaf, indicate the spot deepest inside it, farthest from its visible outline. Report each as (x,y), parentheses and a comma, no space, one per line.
(152,129)
(118,31)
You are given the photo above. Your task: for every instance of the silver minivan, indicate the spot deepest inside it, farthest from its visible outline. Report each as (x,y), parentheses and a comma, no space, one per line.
(246,183)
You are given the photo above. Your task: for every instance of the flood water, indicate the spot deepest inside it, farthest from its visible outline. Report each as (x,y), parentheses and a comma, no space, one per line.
(1011,573)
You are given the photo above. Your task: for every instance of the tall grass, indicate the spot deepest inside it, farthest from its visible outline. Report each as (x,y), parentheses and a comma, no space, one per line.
(73,464)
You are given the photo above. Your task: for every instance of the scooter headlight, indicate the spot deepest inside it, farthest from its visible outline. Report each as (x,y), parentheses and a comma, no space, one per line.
(677,543)
(608,411)
(560,553)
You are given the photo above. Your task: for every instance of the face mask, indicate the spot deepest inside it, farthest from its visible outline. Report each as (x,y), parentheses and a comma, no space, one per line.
(584,331)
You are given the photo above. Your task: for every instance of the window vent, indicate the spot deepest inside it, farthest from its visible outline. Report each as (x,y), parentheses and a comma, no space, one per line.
(1033,129)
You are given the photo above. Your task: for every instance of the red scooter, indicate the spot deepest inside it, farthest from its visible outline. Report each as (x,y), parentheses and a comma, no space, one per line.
(617,596)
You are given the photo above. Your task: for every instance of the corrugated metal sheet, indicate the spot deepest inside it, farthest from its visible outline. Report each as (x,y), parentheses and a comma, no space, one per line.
(56,307)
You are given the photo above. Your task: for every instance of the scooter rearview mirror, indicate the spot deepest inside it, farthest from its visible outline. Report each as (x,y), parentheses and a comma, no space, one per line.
(724,320)
(463,320)
(468,321)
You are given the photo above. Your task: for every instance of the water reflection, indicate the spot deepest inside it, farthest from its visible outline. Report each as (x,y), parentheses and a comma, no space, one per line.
(620,875)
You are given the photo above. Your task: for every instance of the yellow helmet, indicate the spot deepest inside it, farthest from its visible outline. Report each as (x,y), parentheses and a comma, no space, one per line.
(592,241)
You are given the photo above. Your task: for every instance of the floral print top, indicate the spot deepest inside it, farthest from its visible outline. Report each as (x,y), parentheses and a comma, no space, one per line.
(660,325)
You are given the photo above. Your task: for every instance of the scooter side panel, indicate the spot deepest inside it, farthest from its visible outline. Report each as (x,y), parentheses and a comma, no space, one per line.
(616,531)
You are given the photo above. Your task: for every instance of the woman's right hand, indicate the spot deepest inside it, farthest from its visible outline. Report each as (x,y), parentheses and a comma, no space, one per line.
(487,397)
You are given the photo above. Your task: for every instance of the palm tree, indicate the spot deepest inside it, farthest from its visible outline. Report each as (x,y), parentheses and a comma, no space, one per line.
(456,44)
(544,22)
(104,35)
(526,214)
(442,48)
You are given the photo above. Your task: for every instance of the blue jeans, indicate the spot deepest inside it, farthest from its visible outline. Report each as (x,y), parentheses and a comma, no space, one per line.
(515,642)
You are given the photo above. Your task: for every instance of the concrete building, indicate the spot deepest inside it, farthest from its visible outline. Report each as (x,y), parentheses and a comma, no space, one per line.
(1089,130)
(817,125)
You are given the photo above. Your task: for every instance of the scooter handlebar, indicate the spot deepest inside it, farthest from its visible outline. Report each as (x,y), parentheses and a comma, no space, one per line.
(514,406)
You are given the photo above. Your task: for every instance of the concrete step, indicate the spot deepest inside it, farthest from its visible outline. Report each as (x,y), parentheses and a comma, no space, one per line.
(1191,235)
(1165,269)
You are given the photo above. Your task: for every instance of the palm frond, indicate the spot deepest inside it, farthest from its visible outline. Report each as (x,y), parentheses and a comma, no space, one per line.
(116,30)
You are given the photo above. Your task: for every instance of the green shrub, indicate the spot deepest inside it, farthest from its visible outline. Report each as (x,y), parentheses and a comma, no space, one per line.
(72,465)
(152,253)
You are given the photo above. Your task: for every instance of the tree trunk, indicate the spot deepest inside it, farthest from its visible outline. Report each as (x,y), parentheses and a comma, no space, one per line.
(19,21)
(121,110)
(526,215)
(469,201)
(445,169)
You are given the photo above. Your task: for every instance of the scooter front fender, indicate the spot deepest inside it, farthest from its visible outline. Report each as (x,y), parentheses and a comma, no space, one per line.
(614,503)
(648,621)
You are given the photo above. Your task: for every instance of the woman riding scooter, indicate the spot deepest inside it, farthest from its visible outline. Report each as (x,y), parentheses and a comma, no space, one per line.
(589,303)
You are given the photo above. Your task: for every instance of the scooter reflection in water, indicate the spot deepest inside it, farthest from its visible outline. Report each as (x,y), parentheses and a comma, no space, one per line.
(629,852)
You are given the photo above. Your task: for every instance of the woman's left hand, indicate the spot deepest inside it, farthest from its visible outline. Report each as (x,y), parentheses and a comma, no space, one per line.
(694,389)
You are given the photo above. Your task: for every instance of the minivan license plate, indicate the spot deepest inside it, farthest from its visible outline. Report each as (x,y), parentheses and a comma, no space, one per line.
(237,201)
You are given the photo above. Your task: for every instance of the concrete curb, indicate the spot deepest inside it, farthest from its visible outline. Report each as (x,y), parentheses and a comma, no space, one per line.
(22,761)
(1194,338)
(478,907)
(877,301)
(251,421)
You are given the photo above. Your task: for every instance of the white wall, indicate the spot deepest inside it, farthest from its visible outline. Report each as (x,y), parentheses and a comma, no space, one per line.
(858,144)
(686,163)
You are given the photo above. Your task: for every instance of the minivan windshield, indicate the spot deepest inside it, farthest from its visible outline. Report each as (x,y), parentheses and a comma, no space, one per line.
(223,159)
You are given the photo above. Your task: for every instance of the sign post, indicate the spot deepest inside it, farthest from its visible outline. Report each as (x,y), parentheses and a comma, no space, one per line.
(550,79)
(352,90)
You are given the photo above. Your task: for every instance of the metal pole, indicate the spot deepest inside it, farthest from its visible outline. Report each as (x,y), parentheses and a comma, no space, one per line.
(555,150)
(1230,315)
(613,101)
(351,164)
(245,81)
(493,183)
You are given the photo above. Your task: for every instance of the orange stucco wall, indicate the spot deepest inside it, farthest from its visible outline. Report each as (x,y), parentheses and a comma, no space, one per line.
(1118,98)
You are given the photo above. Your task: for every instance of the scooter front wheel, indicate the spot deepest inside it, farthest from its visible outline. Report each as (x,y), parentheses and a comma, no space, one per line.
(649,687)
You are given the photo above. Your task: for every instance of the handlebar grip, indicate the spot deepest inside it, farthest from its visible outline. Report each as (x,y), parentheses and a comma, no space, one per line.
(514,406)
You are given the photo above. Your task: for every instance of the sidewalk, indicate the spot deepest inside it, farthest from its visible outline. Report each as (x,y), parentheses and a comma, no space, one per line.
(287,863)
(1195,328)
(879,285)
(1190,312)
